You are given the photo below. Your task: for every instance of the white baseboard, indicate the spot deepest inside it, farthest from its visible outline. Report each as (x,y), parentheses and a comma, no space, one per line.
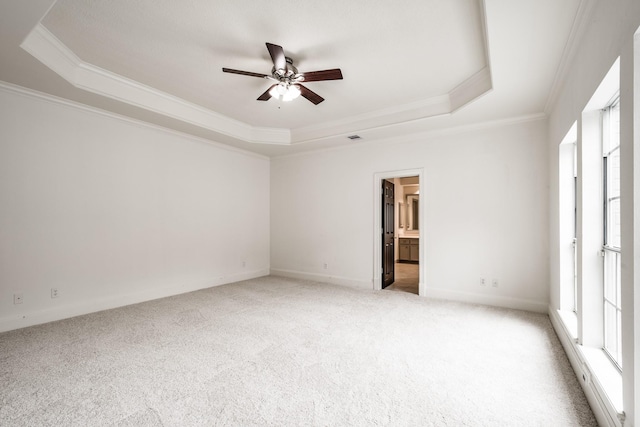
(324,278)
(91,306)
(493,300)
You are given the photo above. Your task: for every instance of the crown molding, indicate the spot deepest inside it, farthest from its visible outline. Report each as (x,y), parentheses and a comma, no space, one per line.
(429,134)
(471,89)
(48,49)
(431,107)
(584,12)
(466,92)
(45,97)
(481,82)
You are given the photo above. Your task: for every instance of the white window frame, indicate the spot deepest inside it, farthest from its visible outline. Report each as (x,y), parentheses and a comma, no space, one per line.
(575,227)
(612,304)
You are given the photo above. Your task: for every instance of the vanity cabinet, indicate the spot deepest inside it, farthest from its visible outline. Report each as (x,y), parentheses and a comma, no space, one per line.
(409,250)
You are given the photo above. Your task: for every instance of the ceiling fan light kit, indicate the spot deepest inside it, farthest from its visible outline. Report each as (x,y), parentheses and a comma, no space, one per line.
(284,91)
(287,79)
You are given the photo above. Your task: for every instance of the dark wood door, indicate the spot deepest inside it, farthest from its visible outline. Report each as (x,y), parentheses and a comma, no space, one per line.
(388,247)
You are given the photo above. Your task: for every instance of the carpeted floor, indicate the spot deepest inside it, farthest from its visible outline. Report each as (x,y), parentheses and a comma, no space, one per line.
(275,351)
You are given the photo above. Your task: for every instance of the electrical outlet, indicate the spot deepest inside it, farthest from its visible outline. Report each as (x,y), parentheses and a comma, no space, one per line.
(17,298)
(483,281)
(325,265)
(244,264)
(54,292)
(494,283)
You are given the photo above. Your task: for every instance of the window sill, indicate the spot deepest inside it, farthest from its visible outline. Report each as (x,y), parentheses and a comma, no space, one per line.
(570,322)
(604,374)
(597,371)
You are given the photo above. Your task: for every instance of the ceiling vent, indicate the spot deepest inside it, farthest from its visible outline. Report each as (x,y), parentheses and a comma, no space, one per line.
(354,137)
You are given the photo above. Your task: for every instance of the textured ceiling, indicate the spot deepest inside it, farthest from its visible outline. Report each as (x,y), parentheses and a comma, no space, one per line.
(409,67)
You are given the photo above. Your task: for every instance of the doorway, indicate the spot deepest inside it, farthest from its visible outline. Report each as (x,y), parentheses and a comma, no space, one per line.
(399,232)
(388,233)
(407,278)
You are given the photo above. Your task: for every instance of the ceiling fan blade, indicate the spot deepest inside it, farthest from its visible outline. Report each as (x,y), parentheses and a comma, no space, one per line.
(277,56)
(266,95)
(244,73)
(310,95)
(316,76)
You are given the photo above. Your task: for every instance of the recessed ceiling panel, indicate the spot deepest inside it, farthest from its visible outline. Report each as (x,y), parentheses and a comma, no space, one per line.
(391,54)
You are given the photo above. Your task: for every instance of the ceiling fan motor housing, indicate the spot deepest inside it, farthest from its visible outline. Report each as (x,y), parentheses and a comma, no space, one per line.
(287,75)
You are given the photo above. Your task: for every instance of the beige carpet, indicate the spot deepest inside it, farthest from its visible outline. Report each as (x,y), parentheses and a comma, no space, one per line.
(275,351)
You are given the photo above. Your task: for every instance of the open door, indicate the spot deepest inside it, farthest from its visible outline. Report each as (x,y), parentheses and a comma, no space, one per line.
(388,225)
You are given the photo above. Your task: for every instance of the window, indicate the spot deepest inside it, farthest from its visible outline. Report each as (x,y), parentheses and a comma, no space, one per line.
(611,232)
(567,206)
(589,217)
(575,227)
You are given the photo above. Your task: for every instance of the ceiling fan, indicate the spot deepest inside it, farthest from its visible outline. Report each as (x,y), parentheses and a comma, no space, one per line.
(287,78)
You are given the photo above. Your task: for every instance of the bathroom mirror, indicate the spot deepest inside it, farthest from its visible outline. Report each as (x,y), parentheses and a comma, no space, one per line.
(413,211)
(402,214)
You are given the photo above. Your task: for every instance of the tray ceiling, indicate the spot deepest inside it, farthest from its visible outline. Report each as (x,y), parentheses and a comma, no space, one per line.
(401,65)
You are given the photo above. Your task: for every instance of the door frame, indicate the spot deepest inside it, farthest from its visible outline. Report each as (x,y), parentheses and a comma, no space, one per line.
(377,224)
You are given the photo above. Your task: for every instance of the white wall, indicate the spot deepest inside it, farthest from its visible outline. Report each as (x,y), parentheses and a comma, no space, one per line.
(112,212)
(607,35)
(485,193)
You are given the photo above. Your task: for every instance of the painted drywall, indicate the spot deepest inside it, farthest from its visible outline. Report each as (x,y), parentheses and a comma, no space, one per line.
(485,194)
(112,212)
(607,35)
